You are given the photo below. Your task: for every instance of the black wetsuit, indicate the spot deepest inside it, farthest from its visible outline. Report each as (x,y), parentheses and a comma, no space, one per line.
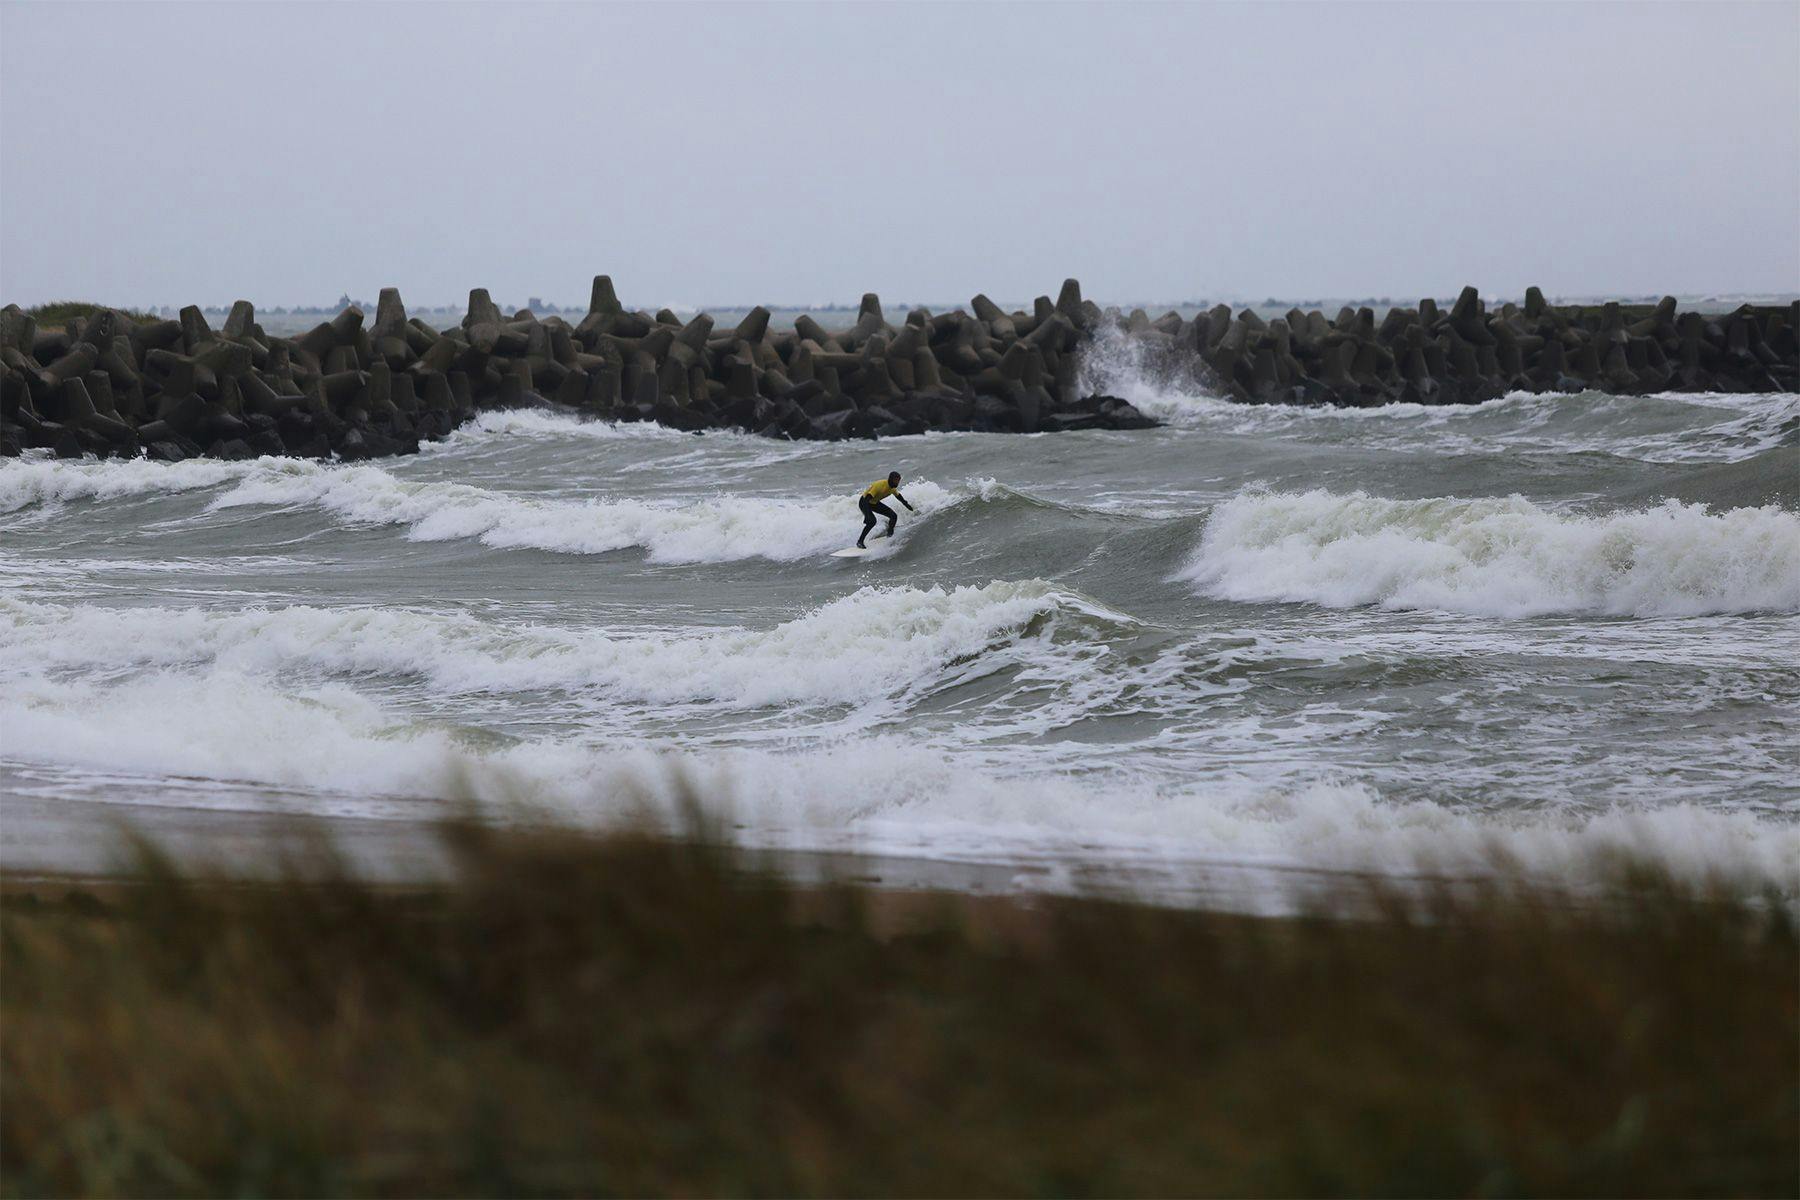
(869,509)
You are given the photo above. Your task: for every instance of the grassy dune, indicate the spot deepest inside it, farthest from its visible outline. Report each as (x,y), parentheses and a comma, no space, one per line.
(58,313)
(583,1016)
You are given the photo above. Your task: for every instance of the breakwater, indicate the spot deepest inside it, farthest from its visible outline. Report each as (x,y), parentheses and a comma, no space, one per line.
(174,389)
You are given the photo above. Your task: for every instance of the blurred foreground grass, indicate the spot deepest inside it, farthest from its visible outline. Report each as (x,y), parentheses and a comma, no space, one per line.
(632,1016)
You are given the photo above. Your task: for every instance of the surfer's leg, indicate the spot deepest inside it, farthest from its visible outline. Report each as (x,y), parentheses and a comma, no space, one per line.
(887,512)
(868,521)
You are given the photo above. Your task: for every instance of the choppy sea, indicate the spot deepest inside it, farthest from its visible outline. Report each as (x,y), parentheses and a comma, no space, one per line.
(1389,639)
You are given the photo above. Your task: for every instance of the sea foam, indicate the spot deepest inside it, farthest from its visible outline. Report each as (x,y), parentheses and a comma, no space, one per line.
(1669,427)
(728,528)
(868,645)
(345,754)
(1497,557)
(48,481)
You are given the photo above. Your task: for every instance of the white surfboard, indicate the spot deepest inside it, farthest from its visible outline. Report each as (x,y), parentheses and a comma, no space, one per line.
(859,551)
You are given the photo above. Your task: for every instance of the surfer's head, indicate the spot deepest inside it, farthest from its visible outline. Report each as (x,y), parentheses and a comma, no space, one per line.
(893,479)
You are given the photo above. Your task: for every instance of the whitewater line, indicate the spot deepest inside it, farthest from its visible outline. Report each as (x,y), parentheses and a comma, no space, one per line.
(1497,557)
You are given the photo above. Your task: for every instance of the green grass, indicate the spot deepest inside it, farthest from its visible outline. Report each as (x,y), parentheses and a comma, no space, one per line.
(59,313)
(629,1016)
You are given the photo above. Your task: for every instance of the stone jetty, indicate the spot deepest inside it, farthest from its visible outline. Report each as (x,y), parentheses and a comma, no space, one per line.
(357,388)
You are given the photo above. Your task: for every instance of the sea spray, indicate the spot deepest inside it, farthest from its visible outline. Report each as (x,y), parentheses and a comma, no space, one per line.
(1169,387)
(1672,427)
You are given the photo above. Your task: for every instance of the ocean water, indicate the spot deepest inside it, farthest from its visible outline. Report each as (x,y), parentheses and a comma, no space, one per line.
(1391,639)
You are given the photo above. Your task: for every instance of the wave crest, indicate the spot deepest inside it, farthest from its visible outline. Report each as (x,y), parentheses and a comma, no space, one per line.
(731,528)
(347,756)
(1505,557)
(865,646)
(29,482)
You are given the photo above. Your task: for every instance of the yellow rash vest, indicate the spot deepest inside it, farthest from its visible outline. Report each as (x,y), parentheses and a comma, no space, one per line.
(880,490)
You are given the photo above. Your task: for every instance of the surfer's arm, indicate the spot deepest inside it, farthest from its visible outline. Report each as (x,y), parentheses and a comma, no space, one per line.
(902,499)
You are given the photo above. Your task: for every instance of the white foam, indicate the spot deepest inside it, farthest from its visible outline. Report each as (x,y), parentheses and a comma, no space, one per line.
(883,795)
(1502,557)
(46,481)
(864,647)
(676,447)
(1116,364)
(1667,427)
(728,528)
(731,527)
(543,423)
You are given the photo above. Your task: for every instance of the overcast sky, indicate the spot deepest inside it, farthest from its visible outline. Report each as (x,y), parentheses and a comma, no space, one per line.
(792,153)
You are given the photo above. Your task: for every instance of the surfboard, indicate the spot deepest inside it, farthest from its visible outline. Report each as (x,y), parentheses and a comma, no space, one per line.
(860,551)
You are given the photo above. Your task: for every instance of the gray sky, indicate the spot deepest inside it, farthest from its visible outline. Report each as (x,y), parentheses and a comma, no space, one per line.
(174,153)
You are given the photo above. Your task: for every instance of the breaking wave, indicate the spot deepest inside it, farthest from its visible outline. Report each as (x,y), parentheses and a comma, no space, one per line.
(729,529)
(250,631)
(1668,427)
(879,795)
(545,423)
(869,645)
(29,482)
(1500,557)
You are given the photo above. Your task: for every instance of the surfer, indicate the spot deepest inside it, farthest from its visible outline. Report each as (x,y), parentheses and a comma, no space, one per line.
(871,503)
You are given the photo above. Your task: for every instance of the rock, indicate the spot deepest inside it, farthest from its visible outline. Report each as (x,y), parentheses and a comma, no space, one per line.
(224,358)
(999,324)
(810,330)
(78,361)
(830,427)
(241,323)
(98,330)
(341,387)
(232,449)
(79,411)
(399,380)
(169,451)
(155,335)
(18,330)
(483,310)
(679,416)
(194,330)
(573,390)
(352,445)
(602,300)
(1068,302)
(99,387)
(1466,318)
(318,341)
(390,315)
(1120,414)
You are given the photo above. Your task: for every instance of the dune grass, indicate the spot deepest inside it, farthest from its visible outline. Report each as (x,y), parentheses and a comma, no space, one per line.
(631,1016)
(59,313)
